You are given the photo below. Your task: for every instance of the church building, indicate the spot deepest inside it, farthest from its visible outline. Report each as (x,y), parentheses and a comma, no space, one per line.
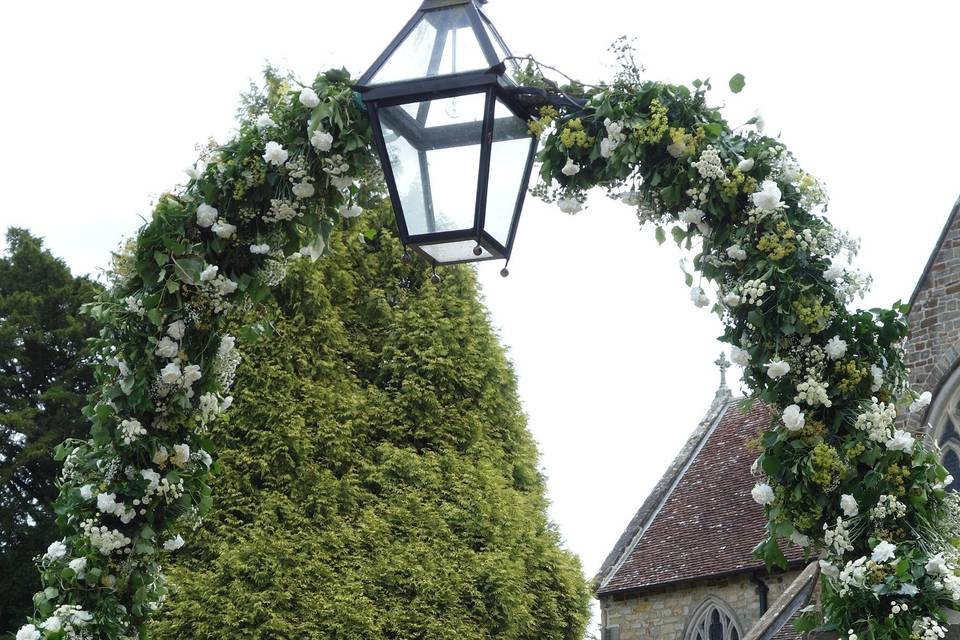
(683,569)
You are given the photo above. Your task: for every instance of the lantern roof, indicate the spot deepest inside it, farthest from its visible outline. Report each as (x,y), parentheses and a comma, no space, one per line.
(443,38)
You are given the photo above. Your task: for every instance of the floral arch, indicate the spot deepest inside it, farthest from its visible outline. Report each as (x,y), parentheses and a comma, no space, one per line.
(838,475)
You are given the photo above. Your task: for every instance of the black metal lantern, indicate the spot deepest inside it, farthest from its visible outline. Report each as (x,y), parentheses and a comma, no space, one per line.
(451,130)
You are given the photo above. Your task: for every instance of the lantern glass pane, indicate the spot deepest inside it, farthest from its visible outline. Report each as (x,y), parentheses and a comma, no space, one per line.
(434,150)
(508,161)
(454,252)
(443,42)
(499,47)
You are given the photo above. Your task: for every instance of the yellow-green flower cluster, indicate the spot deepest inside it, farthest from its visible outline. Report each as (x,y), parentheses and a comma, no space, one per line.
(738,182)
(548,115)
(778,244)
(897,476)
(812,314)
(850,373)
(573,135)
(827,468)
(855,451)
(656,126)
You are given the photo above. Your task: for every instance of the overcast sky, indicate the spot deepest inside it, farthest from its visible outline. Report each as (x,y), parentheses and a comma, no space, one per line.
(104,103)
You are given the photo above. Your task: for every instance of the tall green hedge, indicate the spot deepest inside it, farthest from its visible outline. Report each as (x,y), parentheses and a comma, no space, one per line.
(377,479)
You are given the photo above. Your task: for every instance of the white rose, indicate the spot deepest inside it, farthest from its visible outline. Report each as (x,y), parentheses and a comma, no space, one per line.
(192,173)
(275,154)
(908,589)
(227,344)
(569,205)
(79,566)
(835,348)
(170,374)
(209,273)
(321,140)
(762,494)
(264,121)
(677,149)
(341,182)
(167,348)
(351,211)
(206,215)
(303,190)
(777,369)
(176,330)
(259,249)
(174,543)
(829,570)
(849,505)
(86,492)
(937,565)
(901,441)
(732,300)
(736,252)
(309,98)
(223,229)
(833,273)
(225,286)
(606,149)
(739,356)
(799,539)
(691,216)
(883,552)
(922,402)
(699,297)
(571,168)
(768,198)
(28,632)
(107,502)
(191,373)
(55,551)
(52,624)
(152,477)
(746,165)
(181,455)
(161,456)
(877,374)
(793,418)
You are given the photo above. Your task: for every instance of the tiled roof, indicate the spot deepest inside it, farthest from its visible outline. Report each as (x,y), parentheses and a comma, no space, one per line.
(708,524)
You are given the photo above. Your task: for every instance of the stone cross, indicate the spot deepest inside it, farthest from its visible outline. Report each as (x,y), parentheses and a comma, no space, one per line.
(724,364)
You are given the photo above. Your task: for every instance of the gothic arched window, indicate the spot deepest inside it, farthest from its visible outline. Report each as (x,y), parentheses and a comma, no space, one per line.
(713,620)
(945,416)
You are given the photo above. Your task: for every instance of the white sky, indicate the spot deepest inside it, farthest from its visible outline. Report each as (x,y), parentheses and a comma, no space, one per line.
(103,104)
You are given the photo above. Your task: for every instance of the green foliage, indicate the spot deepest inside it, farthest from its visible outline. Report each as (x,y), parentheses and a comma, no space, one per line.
(377,478)
(737,83)
(44,377)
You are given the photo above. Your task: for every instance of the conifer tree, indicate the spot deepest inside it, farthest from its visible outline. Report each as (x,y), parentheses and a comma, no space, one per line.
(376,477)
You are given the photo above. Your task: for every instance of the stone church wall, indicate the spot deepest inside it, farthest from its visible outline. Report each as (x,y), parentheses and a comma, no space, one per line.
(664,614)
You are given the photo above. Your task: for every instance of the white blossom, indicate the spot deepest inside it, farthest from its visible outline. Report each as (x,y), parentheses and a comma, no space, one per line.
(877,374)
(321,140)
(877,420)
(79,566)
(937,565)
(264,121)
(849,505)
(309,98)
(107,503)
(835,348)
(884,552)
(829,570)
(692,216)
(793,418)
(746,165)
(161,456)
(834,272)
(921,403)
(762,494)
(223,229)
(699,297)
(28,632)
(86,492)
(181,455)
(152,478)
(739,356)
(569,205)
(732,300)
(209,273)
(174,543)
(170,374)
(52,624)
(167,348)
(736,252)
(176,330)
(341,182)
(275,154)
(777,369)
(303,190)
(131,430)
(571,168)
(901,441)
(259,249)
(191,373)
(350,212)
(206,215)
(55,551)
(768,198)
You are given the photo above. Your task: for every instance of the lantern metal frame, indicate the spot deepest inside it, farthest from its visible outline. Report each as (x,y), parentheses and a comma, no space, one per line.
(494,84)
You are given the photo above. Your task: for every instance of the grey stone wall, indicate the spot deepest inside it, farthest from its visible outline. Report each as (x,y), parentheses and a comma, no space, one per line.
(933,347)
(664,614)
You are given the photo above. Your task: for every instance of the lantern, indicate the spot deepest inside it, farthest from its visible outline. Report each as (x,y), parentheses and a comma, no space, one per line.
(451,130)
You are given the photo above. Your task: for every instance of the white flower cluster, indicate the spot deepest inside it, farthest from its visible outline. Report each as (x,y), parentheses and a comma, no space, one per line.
(901,441)
(835,348)
(225,365)
(853,576)
(55,551)
(762,494)
(884,552)
(752,291)
(107,503)
(768,199)
(615,137)
(67,618)
(337,169)
(793,418)
(776,369)
(135,305)
(736,252)
(927,628)
(710,166)
(275,154)
(105,540)
(896,608)
(813,392)
(282,211)
(699,297)
(921,403)
(131,429)
(739,356)
(888,507)
(837,539)
(877,420)
(321,140)
(212,405)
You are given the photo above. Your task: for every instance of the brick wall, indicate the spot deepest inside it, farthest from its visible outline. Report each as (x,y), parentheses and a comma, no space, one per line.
(933,346)
(665,614)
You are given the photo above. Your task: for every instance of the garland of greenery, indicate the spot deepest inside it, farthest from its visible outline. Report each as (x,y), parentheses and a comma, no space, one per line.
(839,475)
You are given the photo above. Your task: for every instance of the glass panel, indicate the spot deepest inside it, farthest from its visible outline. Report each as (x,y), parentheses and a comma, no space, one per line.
(949,432)
(734,635)
(952,462)
(499,47)
(442,42)
(716,626)
(508,160)
(434,149)
(453,251)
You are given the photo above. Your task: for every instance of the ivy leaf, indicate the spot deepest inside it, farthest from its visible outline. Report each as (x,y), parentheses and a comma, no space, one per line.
(737,82)
(661,235)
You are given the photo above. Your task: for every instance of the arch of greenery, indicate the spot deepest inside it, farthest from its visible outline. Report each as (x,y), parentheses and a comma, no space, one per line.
(838,476)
